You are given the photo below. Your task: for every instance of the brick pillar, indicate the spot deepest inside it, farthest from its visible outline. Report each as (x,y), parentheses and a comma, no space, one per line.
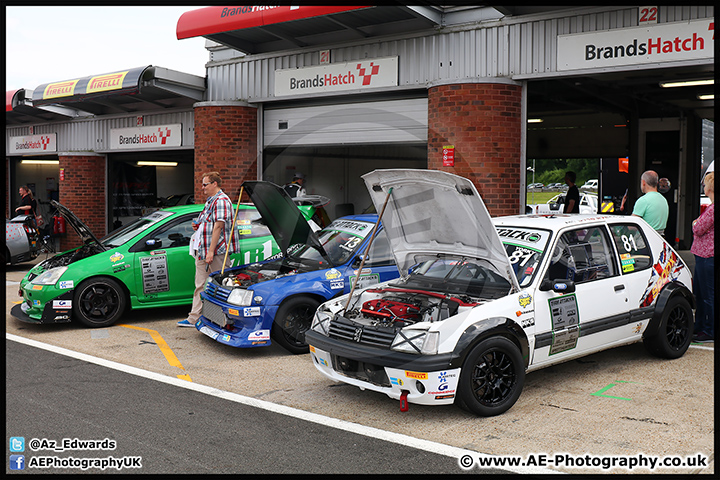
(484,123)
(83,191)
(225,142)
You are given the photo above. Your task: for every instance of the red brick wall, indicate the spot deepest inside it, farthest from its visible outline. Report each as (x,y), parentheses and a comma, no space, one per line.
(83,191)
(226,142)
(484,123)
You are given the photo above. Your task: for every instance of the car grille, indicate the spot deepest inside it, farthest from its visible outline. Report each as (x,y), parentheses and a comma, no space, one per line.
(214,313)
(343,329)
(215,290)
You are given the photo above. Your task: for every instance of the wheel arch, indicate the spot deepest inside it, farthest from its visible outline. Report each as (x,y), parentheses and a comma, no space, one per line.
(669,292)
(490,327)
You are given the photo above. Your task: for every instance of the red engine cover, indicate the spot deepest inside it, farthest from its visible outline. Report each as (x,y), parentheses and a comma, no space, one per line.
(382,308)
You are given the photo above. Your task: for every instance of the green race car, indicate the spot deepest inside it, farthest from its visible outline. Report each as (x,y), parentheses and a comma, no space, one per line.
(145,264)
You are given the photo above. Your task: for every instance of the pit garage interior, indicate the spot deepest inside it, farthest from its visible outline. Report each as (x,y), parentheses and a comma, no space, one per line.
(599,115)
(603,115)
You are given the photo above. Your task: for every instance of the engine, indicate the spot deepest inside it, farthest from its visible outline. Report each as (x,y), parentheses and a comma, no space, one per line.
(401,307)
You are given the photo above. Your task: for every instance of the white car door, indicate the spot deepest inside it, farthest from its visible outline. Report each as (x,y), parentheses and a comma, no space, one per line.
(571,323)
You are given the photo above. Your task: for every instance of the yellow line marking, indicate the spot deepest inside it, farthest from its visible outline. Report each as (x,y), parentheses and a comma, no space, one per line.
(164,348)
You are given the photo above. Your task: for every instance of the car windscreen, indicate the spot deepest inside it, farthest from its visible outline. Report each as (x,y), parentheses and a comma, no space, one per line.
(525,248)
(122,235)
(459,276)
(340,239)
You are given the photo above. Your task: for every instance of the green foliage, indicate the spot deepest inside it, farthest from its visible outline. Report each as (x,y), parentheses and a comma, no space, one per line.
(553,170)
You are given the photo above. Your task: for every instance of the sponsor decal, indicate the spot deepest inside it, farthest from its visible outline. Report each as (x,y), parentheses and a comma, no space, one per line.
(66,284)
(234,311)
(104,83)
(117,256)
(259,335)
(251,312)
(332,274)
(337,284)
(60,89)
(62,304)
(37,287)
(416,375)
(666,269)
(397,381)
(524,299)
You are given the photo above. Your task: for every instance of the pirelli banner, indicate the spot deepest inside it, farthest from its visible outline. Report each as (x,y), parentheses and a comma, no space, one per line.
(75,90)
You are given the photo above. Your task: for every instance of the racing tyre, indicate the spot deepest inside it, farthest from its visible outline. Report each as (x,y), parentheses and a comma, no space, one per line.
(99,302)
(492,377)
(674,332)
(293,319)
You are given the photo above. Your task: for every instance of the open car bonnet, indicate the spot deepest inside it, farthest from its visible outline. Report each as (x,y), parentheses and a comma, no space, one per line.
(430,212)
(281,215)
(78,225)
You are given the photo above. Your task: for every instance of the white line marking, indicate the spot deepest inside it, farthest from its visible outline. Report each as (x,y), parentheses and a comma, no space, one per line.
(398,438)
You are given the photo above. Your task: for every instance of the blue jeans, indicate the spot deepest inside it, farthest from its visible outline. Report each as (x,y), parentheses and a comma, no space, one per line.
(704,286)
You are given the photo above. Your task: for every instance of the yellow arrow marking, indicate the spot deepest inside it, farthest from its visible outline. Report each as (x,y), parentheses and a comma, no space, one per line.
(164,348)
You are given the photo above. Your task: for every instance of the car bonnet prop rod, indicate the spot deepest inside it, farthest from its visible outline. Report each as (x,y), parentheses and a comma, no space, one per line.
(232,230)
(367,249)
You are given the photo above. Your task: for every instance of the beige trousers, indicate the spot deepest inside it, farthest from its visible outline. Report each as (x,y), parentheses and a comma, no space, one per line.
(202,272)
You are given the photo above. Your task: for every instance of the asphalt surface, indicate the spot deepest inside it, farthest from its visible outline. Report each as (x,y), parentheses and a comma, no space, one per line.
(619,403)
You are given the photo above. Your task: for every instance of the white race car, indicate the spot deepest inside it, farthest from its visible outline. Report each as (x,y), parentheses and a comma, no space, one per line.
(481,302)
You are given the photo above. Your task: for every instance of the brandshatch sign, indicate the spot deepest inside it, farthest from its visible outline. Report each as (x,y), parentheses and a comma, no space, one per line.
(135,138)
(337,77)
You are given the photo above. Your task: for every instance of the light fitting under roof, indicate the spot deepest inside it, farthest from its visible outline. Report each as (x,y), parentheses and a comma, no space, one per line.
(688,83)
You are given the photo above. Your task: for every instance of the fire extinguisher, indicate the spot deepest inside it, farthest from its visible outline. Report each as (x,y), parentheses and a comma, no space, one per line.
(58,225)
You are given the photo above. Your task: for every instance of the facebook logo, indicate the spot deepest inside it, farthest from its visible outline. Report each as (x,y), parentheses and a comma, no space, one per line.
(17,462)
(17,444)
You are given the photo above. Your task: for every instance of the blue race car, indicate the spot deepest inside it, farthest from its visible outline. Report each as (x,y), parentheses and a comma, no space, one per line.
(248,305)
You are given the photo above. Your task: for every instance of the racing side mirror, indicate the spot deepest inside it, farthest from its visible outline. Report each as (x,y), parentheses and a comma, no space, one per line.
(357,261)
(153,243)
(558,286)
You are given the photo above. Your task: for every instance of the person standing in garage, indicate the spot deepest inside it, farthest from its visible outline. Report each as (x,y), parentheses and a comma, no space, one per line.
(572,197)
(209,242)
(28,205)
(295,188)
(652,206)
(703,247)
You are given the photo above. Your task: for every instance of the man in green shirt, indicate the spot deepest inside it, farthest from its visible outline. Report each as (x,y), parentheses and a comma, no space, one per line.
(652,206)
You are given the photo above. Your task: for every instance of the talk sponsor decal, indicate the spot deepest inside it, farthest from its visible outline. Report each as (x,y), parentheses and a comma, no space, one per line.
(335,77)
(104,83)
(691,40)
(666,269)
(60,89)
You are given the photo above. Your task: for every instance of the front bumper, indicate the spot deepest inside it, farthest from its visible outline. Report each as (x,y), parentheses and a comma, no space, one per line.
(243,327)
(421,379)
(44,304)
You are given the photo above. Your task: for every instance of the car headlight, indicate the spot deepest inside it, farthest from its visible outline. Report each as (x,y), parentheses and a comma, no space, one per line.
(321,321)
(416,341)
(49,277)
(240,297)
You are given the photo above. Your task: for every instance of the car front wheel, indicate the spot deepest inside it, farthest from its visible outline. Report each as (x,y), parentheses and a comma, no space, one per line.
(99,302)
(292,320)
(675,331)
(492,377)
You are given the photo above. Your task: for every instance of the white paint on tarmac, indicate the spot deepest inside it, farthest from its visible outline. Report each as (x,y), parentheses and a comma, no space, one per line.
(400,439)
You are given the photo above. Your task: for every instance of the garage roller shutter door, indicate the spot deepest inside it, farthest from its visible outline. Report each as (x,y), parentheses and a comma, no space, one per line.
(395,121)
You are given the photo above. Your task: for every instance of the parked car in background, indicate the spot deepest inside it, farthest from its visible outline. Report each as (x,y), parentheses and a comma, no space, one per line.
(535,186)
(275,300)
(21,240)
(145,264)
(483,301)
(590,185)
(588,204)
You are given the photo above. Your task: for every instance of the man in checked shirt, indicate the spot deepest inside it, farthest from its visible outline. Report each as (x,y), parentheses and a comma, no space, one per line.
(209,242)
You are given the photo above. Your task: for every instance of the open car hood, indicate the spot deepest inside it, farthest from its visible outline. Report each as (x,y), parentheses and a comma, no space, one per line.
(78,225)
(282,216)
(431,212)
